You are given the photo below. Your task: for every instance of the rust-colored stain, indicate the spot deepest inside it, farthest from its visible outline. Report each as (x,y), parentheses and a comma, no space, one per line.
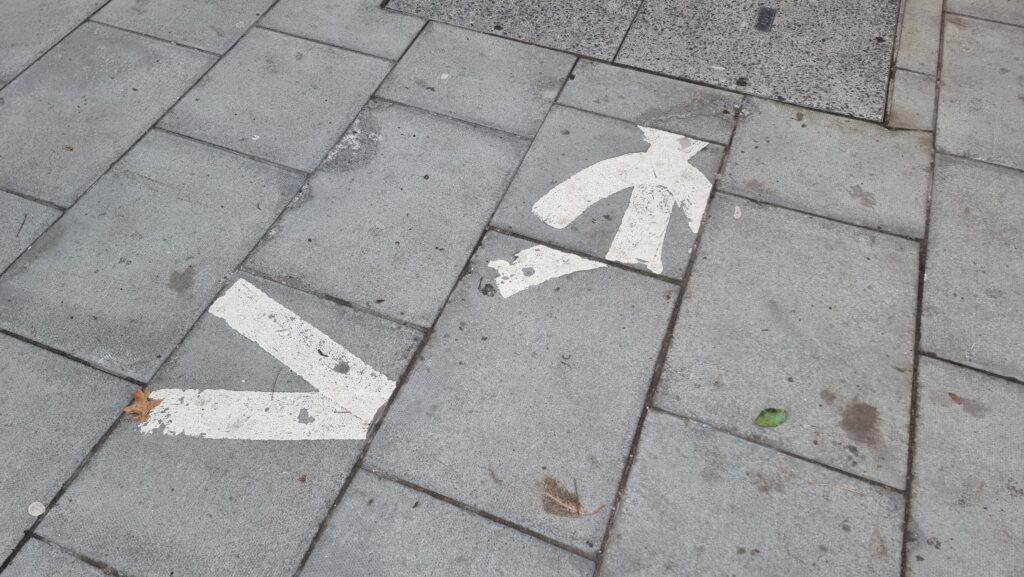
(562,502)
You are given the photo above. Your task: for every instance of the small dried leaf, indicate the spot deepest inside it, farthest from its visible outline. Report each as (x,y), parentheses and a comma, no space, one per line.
(141,405)
(956,398)
(562,502)
(770,418)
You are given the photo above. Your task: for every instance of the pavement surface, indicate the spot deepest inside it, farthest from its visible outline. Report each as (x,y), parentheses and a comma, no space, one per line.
(324,288)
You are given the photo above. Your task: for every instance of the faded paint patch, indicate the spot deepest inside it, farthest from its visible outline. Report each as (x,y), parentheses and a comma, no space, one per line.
(537,265)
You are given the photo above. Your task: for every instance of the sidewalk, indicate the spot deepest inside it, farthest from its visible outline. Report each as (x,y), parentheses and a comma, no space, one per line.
(454,287)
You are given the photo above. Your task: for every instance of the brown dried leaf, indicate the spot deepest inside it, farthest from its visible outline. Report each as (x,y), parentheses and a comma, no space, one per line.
(956,398)
(141,405)
(562,502)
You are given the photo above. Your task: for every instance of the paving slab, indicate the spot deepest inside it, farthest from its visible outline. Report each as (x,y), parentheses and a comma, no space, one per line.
(919,37)
(967,501)
(38,559)
(479,78)
(122,276)
(981,91)
(700,502)
(1008,11)
(278,98)
(385,529)
(972,310)
(30,27)
(569,142)
(21,222)
(831,55)
(592,28)
(360,25)
(853,171)
(45,436)
(913,101)
(65,121)
(212,26)
(404,187)
(651,100)
(543,387)
(785,310)
(251,507)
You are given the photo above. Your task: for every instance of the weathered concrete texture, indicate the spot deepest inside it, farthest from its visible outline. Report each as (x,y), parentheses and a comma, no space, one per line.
(569,142)
(385,529)
(82,105)
(37,559)
(479,78)
(913,101)
(973,308)
(791,311)
(1008,11)
(831,55)
(981,98)
(279,98)
(844,169)
(919,39)
(653,101)
(967,507)
(354,24)
(592,28)
(212,26)
(121,277)
(21,221)
(700,502)
(391,218)
(30,27)
(251,507)
(52,412)
(548,383)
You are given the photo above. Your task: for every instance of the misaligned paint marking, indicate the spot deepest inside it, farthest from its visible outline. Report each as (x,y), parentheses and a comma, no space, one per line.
(537,265)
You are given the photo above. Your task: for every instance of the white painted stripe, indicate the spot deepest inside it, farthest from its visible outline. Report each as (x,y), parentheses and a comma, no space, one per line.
(251,415)
(644,226)
(537,265)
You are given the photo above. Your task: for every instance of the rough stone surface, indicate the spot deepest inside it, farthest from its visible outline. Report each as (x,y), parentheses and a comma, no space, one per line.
(30,27)
(122,276)
(973,308)
(21,222)
(844,169)
(919,39)
(45,436)
(831,55)
(81,106)
(700,502)
(913,101)
(479,78)
(767,322)
(982,92)
(967,508)
(37,559)
(391,218)
(385,529)
(548,383)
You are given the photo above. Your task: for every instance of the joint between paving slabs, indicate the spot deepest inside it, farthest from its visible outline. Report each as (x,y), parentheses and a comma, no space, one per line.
(260,26)
(155,38)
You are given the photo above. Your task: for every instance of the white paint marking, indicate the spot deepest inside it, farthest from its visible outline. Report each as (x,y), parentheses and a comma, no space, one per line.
(737,213)
(658,176)
(537,265)
(35,508)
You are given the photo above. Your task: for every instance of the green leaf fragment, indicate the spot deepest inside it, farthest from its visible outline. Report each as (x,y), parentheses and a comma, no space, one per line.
(771,418)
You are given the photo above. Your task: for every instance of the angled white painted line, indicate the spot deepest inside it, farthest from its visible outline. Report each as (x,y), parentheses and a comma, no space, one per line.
(536,265)
(661,177)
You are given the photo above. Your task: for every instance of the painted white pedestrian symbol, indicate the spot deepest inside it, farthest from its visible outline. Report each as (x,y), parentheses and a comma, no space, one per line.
(348,391)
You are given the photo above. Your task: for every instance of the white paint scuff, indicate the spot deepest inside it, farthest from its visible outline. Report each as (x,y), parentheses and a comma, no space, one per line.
(661,177)
(537,265)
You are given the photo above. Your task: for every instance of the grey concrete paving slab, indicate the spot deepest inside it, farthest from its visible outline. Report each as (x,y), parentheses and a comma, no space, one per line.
(700,502)
(592,28)
(65,121)
(650,100)
(30,27)
(546,384)
(830,55)
(973,309)
(37,559)
(121,277)
(21,222)
(840,168)
(919,37)
(360,25)
(278,98)
(815,317)
(250,507)
(913,101)
(569,142)
(390,219)
(1008,11)
(967,502)
(981,91)
(45,435)
(491,81)
(385,529)
(212,26)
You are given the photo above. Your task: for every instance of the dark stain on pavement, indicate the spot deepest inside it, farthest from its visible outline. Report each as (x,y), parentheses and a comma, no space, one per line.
(860,421)
(181,281)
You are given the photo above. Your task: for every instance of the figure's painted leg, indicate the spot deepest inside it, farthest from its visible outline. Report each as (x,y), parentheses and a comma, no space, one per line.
(644,226)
